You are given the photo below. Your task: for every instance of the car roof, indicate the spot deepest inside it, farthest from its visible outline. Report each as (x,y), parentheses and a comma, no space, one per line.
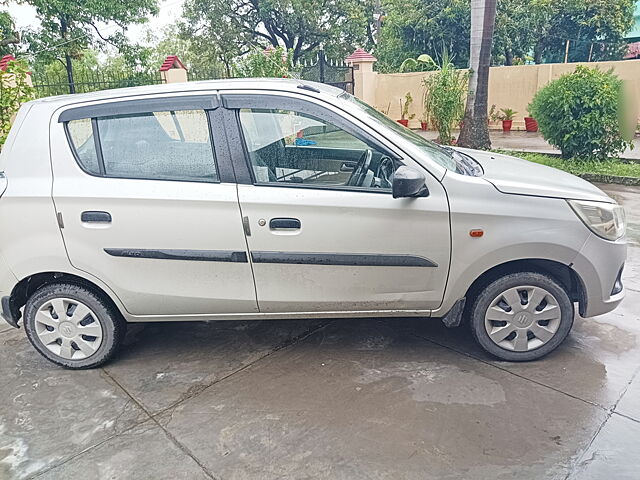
(272,84)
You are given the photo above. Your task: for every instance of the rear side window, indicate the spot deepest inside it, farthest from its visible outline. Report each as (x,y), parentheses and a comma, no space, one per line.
(81,133)
(173,145)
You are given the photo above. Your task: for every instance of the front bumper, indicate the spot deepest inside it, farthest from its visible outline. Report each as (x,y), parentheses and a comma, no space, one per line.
(598,264)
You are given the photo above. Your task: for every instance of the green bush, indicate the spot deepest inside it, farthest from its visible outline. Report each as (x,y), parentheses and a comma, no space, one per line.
(444,97)
(581,114)
(14,91)
(276,62)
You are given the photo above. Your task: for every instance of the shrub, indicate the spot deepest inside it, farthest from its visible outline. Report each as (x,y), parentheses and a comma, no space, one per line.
(404,107)
(581,114)
(276,62)
(445,91)
(14,91)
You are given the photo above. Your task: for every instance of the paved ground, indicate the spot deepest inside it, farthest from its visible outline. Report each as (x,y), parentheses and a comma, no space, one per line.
(350,399)
(531,142)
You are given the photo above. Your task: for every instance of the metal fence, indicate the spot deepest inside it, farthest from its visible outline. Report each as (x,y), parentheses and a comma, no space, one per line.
(329,71)
(320,69)
(48,85)
(195,74)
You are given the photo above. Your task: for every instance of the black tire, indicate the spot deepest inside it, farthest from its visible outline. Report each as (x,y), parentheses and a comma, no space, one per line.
(113,325)
(487,295)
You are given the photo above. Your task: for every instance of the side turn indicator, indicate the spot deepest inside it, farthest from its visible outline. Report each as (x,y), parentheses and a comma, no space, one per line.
(476,233)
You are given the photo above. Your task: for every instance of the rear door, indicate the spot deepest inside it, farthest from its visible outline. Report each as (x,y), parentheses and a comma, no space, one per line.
(147,198)
(324,233)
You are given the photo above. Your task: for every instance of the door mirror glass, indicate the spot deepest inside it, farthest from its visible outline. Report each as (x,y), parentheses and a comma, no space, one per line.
(409,182)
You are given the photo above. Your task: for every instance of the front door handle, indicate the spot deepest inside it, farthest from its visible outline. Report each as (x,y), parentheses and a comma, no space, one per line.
(95,217)
(284,223)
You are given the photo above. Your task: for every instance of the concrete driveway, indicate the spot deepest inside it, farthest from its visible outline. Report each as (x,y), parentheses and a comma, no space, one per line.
(343,399)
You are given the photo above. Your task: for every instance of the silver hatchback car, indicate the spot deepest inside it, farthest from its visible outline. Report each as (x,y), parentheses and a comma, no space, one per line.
(265,199)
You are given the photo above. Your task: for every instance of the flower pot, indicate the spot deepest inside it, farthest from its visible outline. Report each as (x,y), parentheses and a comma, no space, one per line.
(424,126)
(506,125)
(404,121)
(530,124)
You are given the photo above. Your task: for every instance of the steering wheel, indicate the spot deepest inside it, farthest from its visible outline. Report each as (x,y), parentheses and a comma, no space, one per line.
(385,171)
(361,169)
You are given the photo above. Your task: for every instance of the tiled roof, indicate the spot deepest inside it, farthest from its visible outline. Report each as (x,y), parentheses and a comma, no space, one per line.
(172,61)
(633,50)
(5,60)
(360,55)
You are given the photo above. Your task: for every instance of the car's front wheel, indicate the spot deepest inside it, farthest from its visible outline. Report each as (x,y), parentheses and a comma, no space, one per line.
(521,316)
(72,326)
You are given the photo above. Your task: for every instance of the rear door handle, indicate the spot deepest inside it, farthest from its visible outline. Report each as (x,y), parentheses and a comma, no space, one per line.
(95,217)
(284,223)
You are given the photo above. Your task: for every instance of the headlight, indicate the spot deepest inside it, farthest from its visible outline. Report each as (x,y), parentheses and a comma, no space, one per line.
(606,220)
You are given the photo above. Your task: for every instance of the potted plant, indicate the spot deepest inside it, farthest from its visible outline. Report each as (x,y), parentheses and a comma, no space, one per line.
(404,110)
(444,99)
(530,123)
(424,120)
(493,115)
(507,118)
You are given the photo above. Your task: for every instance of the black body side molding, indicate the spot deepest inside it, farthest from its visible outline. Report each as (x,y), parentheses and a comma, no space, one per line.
(349,259)
(193,255)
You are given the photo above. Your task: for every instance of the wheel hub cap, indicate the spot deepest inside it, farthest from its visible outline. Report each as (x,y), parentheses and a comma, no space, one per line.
(522,318)
(68,328)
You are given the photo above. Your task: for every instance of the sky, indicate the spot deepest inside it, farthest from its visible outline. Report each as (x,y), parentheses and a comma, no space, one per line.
(170,10)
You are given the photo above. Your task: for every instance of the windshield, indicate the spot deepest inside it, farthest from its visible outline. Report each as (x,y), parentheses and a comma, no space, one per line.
(445,157)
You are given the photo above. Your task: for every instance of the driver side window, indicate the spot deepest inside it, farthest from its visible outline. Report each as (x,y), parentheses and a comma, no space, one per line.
(295,148)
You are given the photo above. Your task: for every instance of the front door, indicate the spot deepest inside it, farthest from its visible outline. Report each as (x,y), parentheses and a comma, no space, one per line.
(150,208)
(324,232)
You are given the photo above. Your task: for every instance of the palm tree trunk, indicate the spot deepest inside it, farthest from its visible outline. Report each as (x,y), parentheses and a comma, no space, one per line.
(475,128)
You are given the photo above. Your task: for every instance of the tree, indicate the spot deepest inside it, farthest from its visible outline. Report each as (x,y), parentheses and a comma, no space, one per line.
(9,36)
(69,27)
(275,62)
(235,27)
(200,58)
(595,29)
(513,37)
(415,27)
(475,128)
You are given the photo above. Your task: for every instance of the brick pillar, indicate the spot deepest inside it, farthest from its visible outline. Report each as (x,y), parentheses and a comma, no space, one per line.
(364,77)
(173,70)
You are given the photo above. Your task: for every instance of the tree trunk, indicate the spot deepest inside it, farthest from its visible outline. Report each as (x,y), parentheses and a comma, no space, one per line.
(475,128)
(537,53)
(508,57)
(68,66)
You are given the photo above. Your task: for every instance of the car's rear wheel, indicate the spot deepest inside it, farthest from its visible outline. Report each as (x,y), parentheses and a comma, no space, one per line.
(521,316)
(72,326)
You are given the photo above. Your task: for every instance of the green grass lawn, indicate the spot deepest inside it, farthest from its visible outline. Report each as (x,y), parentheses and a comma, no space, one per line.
(578,167)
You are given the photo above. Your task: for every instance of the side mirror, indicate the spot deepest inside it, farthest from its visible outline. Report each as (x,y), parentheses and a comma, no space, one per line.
(408,182)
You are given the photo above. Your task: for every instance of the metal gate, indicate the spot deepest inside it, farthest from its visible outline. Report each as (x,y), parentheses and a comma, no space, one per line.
(328,71)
